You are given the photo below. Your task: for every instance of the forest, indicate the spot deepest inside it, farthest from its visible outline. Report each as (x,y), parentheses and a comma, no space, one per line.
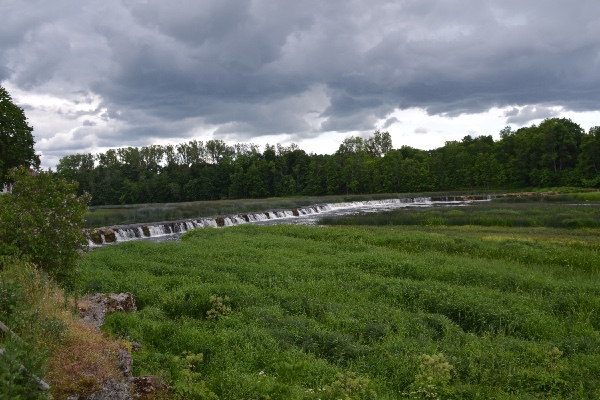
(557,152)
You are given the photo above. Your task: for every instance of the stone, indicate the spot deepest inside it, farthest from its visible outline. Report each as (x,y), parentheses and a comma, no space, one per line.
(99,305)
(111,390)
(123,302)
(126,364)
(145,387)
(109,235)
(95,237)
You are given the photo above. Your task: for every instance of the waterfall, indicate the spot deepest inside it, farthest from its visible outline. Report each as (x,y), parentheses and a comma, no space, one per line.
(121,233)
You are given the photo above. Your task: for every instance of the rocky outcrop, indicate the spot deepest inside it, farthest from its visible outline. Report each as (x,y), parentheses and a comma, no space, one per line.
(93,311)
(96,307)
(145,387)
(111,390)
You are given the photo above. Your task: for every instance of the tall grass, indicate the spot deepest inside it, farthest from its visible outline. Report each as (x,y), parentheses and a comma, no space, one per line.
(48,340)
(295,312)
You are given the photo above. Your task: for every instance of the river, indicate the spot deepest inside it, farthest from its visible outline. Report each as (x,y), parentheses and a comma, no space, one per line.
(311,215)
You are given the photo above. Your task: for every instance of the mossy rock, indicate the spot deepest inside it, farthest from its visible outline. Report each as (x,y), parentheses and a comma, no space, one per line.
(95,237)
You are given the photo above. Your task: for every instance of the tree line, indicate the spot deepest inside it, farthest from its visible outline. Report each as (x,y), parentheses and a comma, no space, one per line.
(557,152)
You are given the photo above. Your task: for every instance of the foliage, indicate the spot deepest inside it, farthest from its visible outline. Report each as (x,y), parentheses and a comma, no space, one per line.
(353,310)
(349,385)
(42,220)
(220,307)
(16,140)
(19,349)
(192,387)
(556,153)
(432,380)
(52,343)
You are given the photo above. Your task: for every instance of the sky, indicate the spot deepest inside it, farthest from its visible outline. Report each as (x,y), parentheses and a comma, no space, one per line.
(100,74)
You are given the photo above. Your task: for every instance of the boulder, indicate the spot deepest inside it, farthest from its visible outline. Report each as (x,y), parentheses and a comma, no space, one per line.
(146,387)
(99,305)
(109,235)
(111,390)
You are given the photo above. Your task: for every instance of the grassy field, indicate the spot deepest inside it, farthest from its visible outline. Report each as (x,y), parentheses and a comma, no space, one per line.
(398,311)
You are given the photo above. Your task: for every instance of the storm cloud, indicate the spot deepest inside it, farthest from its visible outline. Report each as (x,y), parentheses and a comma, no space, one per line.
(132,71)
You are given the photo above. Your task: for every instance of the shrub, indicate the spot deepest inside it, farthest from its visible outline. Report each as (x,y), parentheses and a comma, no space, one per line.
(42,220)
(432,380)
(220,307)
(349,385)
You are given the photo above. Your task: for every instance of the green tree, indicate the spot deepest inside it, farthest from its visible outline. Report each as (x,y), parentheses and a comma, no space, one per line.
(589,158)
(42,220)
(379,144)
(16,140)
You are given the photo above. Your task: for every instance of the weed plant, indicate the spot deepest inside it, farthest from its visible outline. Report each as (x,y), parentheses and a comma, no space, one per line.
(386,312)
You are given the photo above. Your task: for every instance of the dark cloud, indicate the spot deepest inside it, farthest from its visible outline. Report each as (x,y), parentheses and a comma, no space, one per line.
(524,115)
(245,69)
(389,122)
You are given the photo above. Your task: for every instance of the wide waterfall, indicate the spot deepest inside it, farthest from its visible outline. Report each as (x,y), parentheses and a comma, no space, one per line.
(120,233)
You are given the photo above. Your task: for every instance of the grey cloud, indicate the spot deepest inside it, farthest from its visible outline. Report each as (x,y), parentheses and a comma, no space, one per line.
(421,130)
(163,69)
(389,122)
(527,114)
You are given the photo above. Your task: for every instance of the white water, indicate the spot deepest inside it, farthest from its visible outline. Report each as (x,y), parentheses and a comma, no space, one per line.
(305,215)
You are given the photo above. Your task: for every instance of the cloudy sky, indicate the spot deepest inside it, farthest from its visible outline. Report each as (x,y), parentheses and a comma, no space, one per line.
(99,74)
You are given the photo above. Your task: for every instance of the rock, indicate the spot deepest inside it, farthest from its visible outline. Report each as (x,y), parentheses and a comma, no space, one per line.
(135,347)
(145,387)
(125,363)
(111,390)
(95,236)
(109,235)
(99,305)
(94,309)
(120,302)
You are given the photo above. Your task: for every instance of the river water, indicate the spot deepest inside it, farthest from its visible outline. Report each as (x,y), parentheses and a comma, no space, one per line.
(305,216)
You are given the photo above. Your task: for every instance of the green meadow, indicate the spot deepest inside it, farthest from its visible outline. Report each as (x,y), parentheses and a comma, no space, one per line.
(434,303)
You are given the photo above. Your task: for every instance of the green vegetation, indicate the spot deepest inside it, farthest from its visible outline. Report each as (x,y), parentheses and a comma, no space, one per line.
(42,221)
(48,339)
(524,213)
(421,311)
(557,152)
(40,336)
(16,139)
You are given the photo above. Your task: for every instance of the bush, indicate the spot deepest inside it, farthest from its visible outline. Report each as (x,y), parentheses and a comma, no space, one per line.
(42,220)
